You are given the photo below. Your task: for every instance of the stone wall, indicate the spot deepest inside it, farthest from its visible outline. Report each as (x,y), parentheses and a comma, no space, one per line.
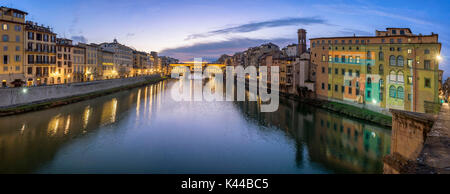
(419,144)
(11,97)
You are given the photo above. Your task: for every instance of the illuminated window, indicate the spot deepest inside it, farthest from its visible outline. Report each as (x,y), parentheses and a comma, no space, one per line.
(400,77)
(5,26)
(409,51)
(410,79)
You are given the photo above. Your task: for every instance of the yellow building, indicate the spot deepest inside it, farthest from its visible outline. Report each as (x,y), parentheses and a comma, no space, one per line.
(40,53)
(108,69)
(91,72)
(12,23)
(79,63)
(395,69)
(64,62)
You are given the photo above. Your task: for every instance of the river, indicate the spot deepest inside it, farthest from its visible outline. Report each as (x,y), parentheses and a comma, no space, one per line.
(144,130)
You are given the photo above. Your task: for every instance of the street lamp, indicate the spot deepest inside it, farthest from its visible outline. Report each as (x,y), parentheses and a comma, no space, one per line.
(439,58)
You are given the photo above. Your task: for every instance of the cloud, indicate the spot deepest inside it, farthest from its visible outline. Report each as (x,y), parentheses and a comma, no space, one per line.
(79,39)
(130,34)
(254,26)
(215,49)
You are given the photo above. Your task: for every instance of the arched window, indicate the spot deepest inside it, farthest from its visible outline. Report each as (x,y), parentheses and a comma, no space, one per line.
(400,77)
(400,92)
(369,55)
(392,60)
(393,76)
(392,92)
(381,56)
(381,69)
(369,69)
(400,61)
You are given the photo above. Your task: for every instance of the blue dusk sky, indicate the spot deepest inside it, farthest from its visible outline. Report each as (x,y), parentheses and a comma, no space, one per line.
(186,29)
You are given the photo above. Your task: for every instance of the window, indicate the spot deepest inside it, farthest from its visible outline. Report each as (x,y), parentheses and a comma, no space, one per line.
(323,86)
(409,97)
(350,73)
(343,71)
(357,92)
(323,69)
(381,96)
(329,87)
(381,69)
(392,76)
(5,48)
(400,77)
(336,71)
(357,73)
(394,31)
(5,59)
(427,51)
(335,88)
(400,61)
(5,27)
(17,58)
(410,63)
(17,68)
(392,60)
(343,59)
(369,55)
(410,79)
(402,32)
(392,92)
(30,35)
(330,58)
(18,28)
(350,90)
(399,40)
(336,58)
(324,58)
(369,82)
(343,89)
(381,56)
(427,83)
(426,64)
(357,59)
(329,70)
(350,59)
(17,48)
(369,69)
(369,94)
(17,38)
(5,38)
(409,51)
(5,68)
(400,92)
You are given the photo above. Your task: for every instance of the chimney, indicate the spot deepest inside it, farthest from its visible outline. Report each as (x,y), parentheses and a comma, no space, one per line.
(301,41)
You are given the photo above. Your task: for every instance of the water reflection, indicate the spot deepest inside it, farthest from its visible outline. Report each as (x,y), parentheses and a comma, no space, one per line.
(30,140)
(145,131)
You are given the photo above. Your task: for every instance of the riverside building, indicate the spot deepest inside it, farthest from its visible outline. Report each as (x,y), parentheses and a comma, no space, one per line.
(395,69)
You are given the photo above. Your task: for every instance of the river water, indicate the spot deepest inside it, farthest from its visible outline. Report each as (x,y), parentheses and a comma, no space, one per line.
(144,130)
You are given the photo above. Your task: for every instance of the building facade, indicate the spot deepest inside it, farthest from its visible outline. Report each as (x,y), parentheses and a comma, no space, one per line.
(395,69)
(91,71)
(79,64)
(12,27)
(40,53)
(108,70)
(62,73)
(123,57)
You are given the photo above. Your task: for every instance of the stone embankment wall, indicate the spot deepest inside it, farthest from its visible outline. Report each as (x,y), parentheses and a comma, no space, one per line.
(420,143)
(13,97)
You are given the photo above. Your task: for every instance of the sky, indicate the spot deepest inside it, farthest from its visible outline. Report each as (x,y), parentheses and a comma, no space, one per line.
(186,29)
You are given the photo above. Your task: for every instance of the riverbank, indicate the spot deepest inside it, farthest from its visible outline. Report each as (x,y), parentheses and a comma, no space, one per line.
(101,88)
(345,109)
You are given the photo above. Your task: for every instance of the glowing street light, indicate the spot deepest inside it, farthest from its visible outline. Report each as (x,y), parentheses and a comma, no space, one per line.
(439,58)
